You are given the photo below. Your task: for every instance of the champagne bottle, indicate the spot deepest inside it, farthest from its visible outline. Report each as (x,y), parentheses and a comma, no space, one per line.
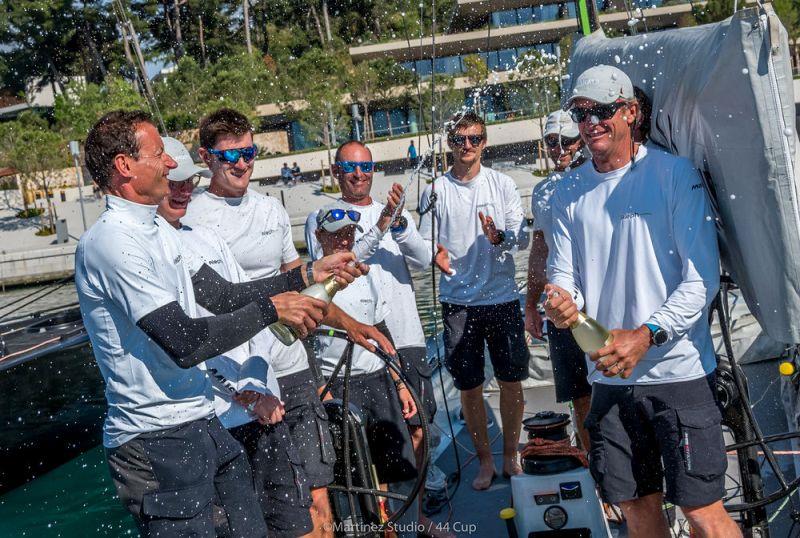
(324,291)
(589,334)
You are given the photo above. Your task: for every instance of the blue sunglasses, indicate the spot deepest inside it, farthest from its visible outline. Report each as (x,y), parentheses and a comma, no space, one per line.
(232,156)
(348,167)
(334,215)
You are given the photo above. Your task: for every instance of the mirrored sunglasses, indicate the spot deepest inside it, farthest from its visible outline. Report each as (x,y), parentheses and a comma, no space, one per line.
(334,215)
(232,156)
(348,167)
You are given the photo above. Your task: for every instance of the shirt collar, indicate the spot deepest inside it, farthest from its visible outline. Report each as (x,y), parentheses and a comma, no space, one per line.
(229,200)
(142,214)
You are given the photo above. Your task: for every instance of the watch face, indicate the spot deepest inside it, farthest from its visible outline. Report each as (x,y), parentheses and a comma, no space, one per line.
(660,337)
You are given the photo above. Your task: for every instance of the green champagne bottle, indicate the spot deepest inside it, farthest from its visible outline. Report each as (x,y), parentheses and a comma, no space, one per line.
(589,334)
(324,291)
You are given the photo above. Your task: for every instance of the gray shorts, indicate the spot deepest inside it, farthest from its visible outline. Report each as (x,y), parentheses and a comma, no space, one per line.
(308,425)
(645,435)
(168,481)
(415,366)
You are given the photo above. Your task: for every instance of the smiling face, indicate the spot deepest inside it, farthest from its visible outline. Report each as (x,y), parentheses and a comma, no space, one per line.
(609,140)
(229,179)
(143,179)
(355,185)
(173,206)
(562,155)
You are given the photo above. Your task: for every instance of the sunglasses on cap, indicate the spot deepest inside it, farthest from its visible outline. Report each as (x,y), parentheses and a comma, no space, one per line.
(334,215)
(232,156)
(348,167)
(194,181)
(603,112)
(461,140)
(564,142)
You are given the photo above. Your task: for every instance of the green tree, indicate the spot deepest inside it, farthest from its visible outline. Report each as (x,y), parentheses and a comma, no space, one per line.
(379,83)
(81,105)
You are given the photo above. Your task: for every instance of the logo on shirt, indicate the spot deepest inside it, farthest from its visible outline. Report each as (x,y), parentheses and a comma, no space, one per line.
(634,215)
(214,262)
(178,259)
(697,186)
(268,232)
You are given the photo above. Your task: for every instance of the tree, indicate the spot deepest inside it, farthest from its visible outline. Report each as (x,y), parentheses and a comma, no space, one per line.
(81,105)
(378,82)
(35,151)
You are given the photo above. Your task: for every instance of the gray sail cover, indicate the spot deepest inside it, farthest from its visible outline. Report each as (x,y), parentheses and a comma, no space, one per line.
(722,97)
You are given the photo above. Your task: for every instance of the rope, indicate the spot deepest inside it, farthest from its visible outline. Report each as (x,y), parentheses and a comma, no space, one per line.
(546,447)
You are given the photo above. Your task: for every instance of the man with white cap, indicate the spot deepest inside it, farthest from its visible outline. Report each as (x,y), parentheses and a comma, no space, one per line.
(635,247)
(563,142)
(245,388)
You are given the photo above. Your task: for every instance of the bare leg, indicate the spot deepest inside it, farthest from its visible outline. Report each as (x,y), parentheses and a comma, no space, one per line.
(581,406)
(321,515)
(475,416)
(712,521)
(425,522)
(512,405)
(645,517)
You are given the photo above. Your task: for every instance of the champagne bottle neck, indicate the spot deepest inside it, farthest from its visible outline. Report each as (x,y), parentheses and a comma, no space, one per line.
(331,285)
(581,319)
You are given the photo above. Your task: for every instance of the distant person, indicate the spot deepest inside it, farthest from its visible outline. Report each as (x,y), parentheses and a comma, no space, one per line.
(563,142)
(411,154)
(246,392)
(286,174)
(259,233)
(297,175)
(641,133)
(635,248)
(138,288)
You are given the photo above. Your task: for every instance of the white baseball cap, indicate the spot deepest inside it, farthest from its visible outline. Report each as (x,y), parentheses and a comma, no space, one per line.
(560,123)
(326,217)
(603,84)
(186,167)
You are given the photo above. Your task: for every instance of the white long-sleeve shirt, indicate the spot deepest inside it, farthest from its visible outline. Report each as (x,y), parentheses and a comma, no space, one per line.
(484,273)
(638,245)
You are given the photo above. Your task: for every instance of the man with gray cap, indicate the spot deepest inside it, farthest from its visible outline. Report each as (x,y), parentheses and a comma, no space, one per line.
(563,142)
(635,247)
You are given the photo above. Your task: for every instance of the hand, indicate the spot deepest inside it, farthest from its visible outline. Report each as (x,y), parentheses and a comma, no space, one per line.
(300,312)
(361,334)
(533,320)
(442,260)
(393,201)
(266,408)
(622,355)
(406,401)
(489,229)
(341,264)
(559,306)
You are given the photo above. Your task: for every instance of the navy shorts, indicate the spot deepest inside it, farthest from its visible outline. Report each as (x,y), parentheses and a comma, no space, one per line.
(375,396)
(569,365)
(645,435)
(468,328)
(308,425)
(280,482)
(415,366)
(168,481)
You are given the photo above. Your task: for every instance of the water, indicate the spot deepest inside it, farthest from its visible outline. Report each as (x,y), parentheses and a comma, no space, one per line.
(78,498)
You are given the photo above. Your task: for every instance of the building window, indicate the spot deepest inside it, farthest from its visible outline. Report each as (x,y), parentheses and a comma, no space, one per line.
(502,19)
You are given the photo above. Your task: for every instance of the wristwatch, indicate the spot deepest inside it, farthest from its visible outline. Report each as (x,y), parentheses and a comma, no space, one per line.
(399,225)
(658,336)
(501,236)
(310,273)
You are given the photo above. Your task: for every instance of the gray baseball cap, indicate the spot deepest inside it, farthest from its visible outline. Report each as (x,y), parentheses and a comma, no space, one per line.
(560,123)
(602,84)
(186,167)
(326,217)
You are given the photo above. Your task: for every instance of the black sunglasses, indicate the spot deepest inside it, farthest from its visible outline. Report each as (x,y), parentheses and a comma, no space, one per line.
(603,112)
(461,140)
(555,141)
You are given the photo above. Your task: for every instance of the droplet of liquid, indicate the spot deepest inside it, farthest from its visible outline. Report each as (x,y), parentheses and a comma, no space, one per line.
(733,197)
(745,71)
(617,58)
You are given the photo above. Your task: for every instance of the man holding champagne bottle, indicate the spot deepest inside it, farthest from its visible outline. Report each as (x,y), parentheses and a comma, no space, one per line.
(634,247)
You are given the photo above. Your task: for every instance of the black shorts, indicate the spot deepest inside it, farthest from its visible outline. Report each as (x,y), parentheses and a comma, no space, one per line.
(500,327)
(387,432)
(644,435)
(415,366)
(569,365)
(169,479)
(280,482)
(308,425)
